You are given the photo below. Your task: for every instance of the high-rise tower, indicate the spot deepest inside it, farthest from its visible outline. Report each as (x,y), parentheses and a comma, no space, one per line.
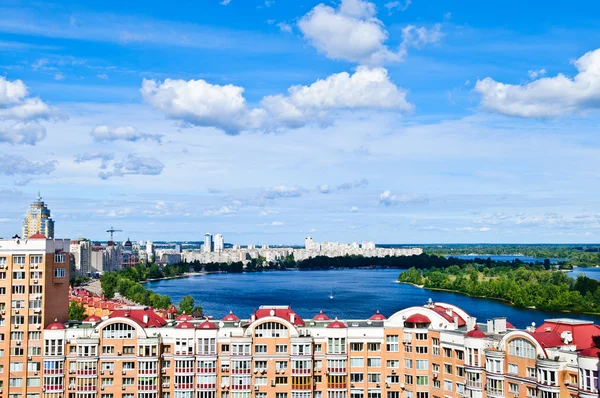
(37,220)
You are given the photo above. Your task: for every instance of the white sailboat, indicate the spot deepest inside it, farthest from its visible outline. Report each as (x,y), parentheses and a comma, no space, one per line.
(331,294)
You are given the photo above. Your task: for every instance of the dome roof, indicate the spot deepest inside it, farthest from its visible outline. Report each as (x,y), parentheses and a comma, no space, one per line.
(184,317)
(509,325)
(37,236)
(593,352)
(475,333)
(321,317)
(93,318)
(56,325)
(336,325)
(417,318)
(207,325)
(377,317)
(185,325)
(231,317)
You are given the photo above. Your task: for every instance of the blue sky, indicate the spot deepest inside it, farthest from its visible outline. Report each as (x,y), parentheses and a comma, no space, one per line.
(266,121)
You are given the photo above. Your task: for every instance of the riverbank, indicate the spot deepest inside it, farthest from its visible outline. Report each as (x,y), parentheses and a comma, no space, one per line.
(185,275)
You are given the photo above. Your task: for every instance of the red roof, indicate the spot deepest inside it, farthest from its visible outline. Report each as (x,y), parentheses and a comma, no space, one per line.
(137,314)
(321,317)
(184,317)
(172,310)
(450,318)
(377,317)
(509,325)
(93,318)
(281,312)
(37,236)
(336,325)
(475,333)
(230,317)
(56,326)
(593,352)
(207,325)
(417,318)
(547,339)
(185,325)
(582,332)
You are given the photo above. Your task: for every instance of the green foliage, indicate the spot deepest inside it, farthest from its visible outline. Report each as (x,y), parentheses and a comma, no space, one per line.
(523,285)
(186,305)
(78,280)
(76,311)
(108,282)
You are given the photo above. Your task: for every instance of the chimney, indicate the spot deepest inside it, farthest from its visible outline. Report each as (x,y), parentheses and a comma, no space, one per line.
(455,322)
(146,319)
(490,326)
(500,325)
(471,322)
(292,317)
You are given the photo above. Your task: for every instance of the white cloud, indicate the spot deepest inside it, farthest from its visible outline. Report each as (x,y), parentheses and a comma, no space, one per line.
(200,103)
(102,76)
(534,74)
(225,2)
(354,209)
(277,224)
(12,92)
(473,229)
(352,32)
(323,188)
(284,27)
(284,191)
(59,77)
(268,212)
(134,164)
(397,5)
(104,157)
(352,185)
(387,198)
(22,133)
(223,211)
(549,96)
(13,165)
(125,133)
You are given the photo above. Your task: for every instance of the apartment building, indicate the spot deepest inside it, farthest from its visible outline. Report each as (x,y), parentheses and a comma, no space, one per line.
(34,292)
(433,351)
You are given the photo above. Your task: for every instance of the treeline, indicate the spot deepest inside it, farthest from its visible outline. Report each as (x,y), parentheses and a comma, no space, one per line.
(573,255)
(524,285)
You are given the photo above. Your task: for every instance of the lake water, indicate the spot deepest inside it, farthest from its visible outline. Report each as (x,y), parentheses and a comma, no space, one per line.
(358,293)
(592,273)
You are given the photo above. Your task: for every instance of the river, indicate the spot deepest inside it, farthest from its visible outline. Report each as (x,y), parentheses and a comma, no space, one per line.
(358,293)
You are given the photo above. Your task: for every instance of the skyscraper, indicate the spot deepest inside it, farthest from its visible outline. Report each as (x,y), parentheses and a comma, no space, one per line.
(208,242)
(37,220)
(219,244)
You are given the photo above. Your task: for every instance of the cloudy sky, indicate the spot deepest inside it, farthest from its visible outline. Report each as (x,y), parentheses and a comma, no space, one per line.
(394,121)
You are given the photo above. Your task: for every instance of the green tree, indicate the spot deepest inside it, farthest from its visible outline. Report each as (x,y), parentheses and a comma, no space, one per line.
(186,305)
(76,311)
(108,282)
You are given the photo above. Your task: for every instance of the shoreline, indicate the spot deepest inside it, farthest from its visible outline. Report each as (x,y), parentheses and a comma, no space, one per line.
(495,298)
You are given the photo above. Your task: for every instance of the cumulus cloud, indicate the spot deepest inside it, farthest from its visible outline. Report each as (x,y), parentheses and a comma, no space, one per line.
(19,115)
(223,211)
(22,133)
(277,224)
(134,164)
(13,165)
(102,76)
(397,6)
(268,212)
(387,198)
(284,191)
(284,27)
(323,188)
(203,104)
(125,133)
(352,185)
(546,97)
(534,74)
(354,209)
(104,157)
(353,33)
(225,2)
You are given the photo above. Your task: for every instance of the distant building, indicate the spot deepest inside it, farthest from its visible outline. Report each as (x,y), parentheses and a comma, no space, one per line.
(130,257)
(37,220)
(178,248)
(219,244)
(150,251)
(208,242)
(81,253)
(105,258)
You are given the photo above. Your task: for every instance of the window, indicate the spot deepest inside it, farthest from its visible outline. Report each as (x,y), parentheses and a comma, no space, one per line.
(225,348)
(374,377)
(422,380)
(374,362)
(35,289)
(392,343)
(18,275)
(356,347)
(118,331)
(260,365)
(521,348)
(271,330)
(530,372)
(448,368)
(435,346)
(448,385)
(513,388)
(420,336)
(407,348)
(207,346)
(35,259)
(60,272)
(53,347)
(59,258)
(336,345)
(281,349)
(18,260)
(408,379)
(392,363)
(493,365)
(18,289)
(421,349)
(356,393)
(281,365)
(460,355)
(374,347)
(408,363)
(513,368)
(447,352)
(301,349)
(422,364)
(495,387)
(357,362)
(356,377)
(281,380)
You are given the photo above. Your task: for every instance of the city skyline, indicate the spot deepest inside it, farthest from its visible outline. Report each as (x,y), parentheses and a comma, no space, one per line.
(393,122)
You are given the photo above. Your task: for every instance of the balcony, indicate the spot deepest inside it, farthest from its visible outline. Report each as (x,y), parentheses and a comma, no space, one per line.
(89,387)
(207,386)
(474,384)
(241,371)
(54,371)
(148,371)
(207,370)
(52,388)
(336,385)
(87,372)
(301,387)
(183,386)
(147,388)
(336,370)
(239,387)
(300,371)
(184,370)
